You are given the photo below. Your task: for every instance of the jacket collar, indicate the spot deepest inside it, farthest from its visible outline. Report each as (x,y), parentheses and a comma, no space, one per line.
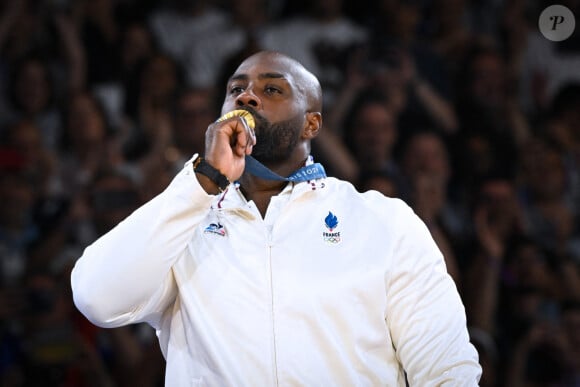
(233,199)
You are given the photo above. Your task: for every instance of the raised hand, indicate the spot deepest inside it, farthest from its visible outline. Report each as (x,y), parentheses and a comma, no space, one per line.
(228,141)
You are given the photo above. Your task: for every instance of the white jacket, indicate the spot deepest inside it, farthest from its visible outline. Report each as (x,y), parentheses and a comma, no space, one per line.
(332,288)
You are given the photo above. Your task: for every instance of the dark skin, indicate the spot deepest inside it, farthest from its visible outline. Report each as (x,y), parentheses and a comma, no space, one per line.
(275,89)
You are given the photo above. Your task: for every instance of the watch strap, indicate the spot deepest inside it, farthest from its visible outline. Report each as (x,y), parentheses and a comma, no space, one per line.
(200,165)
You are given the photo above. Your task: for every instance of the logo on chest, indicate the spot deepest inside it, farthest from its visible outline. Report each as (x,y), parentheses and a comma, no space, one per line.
(215,228)
(332,235)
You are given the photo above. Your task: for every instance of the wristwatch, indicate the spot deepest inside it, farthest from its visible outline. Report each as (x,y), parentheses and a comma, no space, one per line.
(206,169)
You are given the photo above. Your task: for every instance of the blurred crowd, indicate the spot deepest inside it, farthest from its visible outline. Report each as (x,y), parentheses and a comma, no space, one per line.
(461,108)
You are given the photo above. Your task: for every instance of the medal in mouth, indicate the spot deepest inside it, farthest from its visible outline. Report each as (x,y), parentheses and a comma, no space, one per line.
(247,117)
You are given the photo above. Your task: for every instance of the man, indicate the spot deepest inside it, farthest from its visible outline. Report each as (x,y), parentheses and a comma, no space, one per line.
(265,282)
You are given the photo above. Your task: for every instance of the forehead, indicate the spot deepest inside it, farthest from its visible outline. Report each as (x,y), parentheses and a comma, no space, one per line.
(266,66)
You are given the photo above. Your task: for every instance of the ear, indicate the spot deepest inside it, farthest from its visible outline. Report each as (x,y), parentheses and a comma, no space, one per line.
(313,125)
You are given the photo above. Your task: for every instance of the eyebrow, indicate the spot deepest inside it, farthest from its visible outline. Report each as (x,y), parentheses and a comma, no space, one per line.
(245,77)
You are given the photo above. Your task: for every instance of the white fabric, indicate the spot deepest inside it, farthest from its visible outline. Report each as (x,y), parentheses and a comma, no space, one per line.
(280,305)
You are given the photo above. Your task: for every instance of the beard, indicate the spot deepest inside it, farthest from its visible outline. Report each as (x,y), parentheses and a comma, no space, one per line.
(275,143)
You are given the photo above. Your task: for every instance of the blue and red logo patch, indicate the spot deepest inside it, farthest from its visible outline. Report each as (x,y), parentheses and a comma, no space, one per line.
(331,223)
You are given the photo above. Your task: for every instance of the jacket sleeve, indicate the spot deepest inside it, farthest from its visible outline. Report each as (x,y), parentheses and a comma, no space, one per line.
(425,313)
(125,276)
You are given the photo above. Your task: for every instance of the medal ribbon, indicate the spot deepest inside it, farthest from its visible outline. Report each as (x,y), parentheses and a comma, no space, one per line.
(307,172)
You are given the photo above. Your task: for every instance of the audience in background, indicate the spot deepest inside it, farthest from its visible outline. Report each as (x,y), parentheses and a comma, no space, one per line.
(425,186)
(178,25)
(462,109)
(319,36)
(31,95)
(208,59)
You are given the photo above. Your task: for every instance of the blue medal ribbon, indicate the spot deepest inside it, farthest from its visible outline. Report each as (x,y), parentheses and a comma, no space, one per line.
(307,172)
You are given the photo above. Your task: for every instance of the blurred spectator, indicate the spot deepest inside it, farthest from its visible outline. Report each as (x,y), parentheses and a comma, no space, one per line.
(413,74)
(426,173)
(561,128)
(53,350)
(149,102)
(515,20)
(177,24)
(488,356)
(41,33)
(112,196)
(100,32)
(32,96)
(546,65)
(541,359)
(570,315)
(329,148)
(549,216)
(451,31)
(38,161)
(378,181)
(527,265)
(17,228)
(245,29)
(136,44)
(87,142)
(133,353)
(17,233)
(58,344)
(370,133)
(530,291)
(100,103)
(191,112)
(476,159)
(487,110)
(319,37)
(25,29)
(513,281)
(194,111)
(496,221)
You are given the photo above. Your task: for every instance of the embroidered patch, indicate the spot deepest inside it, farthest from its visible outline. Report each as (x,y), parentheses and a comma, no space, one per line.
(331,223)
(215,228)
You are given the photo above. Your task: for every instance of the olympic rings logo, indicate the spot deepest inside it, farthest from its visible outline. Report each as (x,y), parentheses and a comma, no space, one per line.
(332,239)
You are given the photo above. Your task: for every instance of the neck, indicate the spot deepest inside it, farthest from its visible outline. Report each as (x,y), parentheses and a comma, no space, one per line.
(252,186)
(260,189)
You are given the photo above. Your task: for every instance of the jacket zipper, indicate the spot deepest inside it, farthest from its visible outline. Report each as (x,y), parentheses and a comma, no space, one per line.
(272,316)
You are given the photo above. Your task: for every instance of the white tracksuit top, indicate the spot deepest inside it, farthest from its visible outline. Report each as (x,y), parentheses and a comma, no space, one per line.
(332,288)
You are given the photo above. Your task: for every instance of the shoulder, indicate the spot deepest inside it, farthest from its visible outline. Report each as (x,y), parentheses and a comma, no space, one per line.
(369,202)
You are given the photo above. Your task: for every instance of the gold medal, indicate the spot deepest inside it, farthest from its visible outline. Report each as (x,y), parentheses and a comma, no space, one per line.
(240,113)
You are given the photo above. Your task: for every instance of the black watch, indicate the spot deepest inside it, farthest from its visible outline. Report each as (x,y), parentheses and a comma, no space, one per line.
(206,169)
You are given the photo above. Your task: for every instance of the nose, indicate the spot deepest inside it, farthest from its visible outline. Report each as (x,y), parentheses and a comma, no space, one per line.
(248,98)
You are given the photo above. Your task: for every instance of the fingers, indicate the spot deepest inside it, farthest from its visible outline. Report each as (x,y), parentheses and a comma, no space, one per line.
(231,132)
(227,141)
(243,136)
(250,138)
